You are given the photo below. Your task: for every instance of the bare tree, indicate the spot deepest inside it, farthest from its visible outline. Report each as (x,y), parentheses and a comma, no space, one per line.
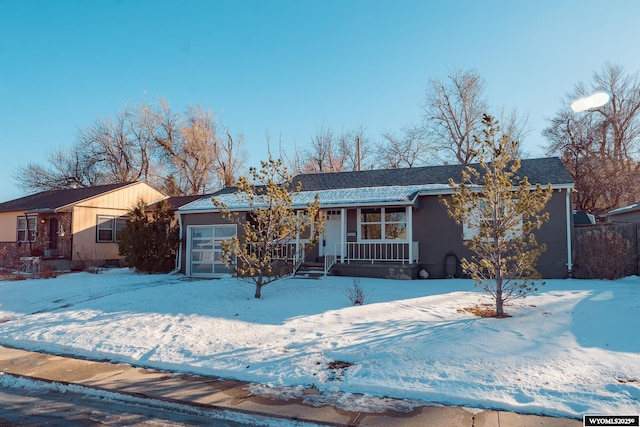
(230,158)
(453,112)
(181,154)
(108,151)
(68,168)
(328,152)
(405,151)
(601,147)
(119,151)
(199,157)
(357,149)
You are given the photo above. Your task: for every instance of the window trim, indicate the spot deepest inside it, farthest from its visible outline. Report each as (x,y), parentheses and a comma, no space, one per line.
(27,228)
(383,224)
(115,221)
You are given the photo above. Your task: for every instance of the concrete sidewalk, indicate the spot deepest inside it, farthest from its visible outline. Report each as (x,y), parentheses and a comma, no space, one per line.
(213,393)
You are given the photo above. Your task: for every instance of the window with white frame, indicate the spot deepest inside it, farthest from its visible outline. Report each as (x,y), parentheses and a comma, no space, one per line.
(108,227)
(26,229)
(388,223)
(483,216)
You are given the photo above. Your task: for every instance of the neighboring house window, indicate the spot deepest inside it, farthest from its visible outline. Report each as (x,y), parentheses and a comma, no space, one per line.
(484,215)
(383,223)
(27,234)
(109,227)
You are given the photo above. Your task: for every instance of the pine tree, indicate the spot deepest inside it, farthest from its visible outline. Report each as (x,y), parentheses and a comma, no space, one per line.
(271,224)
(504,210)
(149,244)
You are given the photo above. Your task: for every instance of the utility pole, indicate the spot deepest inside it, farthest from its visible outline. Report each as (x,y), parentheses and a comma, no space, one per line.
(358,150)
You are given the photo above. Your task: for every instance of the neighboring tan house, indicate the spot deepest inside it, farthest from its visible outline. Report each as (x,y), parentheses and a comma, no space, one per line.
(383,223)
(70,228)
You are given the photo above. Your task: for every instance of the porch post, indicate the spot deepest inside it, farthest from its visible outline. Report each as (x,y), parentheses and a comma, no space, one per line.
(409,213)
(343,232)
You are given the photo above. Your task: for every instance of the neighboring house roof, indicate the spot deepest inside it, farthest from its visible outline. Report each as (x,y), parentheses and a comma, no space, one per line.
(49,201)
(176,202)
(385,186)
(544,171)
(623,210)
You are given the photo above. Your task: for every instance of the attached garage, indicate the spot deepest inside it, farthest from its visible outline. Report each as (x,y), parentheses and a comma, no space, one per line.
(204,249)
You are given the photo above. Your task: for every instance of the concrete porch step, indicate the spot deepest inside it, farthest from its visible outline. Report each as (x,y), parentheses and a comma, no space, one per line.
(312,270)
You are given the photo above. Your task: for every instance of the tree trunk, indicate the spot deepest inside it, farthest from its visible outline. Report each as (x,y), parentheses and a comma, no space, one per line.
(499,307)
(259,286)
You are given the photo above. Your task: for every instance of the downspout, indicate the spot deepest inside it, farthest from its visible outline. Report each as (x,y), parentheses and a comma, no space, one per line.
(569,234)
(179,255)
(409,215)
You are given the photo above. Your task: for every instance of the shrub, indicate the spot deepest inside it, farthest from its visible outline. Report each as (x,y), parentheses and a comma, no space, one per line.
(604,253)
(149,244)
(357,294)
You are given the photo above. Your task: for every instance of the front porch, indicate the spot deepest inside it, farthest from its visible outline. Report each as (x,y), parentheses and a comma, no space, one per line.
(397,260)
(381,270)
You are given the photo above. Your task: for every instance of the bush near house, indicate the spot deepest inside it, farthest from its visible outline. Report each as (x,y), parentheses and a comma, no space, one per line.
(607,251)
(149,244)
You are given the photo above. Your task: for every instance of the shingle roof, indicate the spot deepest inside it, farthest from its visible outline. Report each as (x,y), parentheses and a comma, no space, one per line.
(54,199)
(544,171)
(176,202)
(623,210)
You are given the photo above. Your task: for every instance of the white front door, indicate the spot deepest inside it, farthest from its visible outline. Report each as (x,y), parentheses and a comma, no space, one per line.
(332,227)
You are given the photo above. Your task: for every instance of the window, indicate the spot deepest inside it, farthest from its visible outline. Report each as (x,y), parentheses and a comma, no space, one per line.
(483,214)
(108,228)
(27,229)
(383,224)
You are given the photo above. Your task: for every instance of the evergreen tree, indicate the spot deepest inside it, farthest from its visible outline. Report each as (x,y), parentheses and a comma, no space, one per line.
(503,209)
(149,244)
(271,224)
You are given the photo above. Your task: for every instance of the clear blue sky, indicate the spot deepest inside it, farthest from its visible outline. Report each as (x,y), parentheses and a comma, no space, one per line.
(289,67)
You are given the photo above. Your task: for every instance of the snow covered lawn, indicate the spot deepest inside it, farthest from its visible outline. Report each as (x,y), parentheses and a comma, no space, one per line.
(570,349)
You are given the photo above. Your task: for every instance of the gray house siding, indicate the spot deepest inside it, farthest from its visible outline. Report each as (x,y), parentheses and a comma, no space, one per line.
(633,216)
(440,236)
(554,262)
(437,234)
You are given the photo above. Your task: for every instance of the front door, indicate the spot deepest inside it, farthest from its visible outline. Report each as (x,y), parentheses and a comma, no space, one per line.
(332,227)
(53,234)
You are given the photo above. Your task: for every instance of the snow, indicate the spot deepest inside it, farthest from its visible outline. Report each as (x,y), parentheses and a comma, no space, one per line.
(9,381)
(570,349)
(336,197)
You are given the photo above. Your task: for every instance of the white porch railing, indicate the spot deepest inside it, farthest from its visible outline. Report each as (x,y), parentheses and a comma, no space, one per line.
(329,260)
(287,252)
(403,252)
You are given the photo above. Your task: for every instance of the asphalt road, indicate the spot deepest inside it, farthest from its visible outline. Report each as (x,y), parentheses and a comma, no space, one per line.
(34,407)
